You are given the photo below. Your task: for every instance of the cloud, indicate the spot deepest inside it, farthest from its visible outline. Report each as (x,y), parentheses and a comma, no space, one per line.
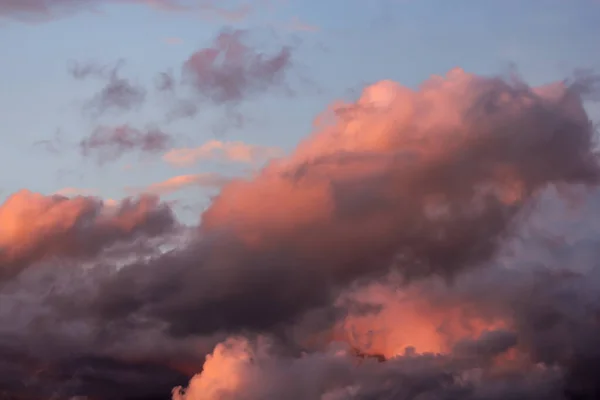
(36,227)
(429,182)
(118,94)
(217,150)
(55,145)
(91,69)
(242,369)
(210,180)
(406,249)
(230,70)
(165,82)
(71,191)
(110,143)
(225,74)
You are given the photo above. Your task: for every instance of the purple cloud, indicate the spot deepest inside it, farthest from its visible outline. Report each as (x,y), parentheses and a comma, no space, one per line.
(110,143)
(230,70)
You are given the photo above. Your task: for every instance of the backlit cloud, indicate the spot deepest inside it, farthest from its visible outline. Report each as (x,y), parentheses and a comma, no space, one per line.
(418,244)
(171,185)
(234,151)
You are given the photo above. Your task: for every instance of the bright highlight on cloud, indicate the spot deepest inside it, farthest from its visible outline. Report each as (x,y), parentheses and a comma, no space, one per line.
(222,151)
(37,227)
(400,251)
(206,180)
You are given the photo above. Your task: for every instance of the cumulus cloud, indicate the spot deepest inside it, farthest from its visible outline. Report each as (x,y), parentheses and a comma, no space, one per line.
(406,249)
(218,150)
(426,182)
(176,183)
(165,82)
(37,227)
(173,41)
(110,143)
(231,70)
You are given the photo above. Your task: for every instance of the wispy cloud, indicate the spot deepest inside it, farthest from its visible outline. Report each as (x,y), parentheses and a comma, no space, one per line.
(298,25)
(110,143)
(235,151)
(171,185)
(230,69)
(118,93)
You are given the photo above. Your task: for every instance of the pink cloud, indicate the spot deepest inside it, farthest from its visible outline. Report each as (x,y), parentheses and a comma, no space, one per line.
(117,94)
(230,70)
(72,192)
(401,226)
(176,183)
(217,150)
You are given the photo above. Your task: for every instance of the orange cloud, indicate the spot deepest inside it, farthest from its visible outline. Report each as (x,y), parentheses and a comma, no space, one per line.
(183,181)
(72,191)
(34,227)
(225,151)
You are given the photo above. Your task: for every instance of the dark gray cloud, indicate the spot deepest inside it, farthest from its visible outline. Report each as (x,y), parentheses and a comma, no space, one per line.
(448,196)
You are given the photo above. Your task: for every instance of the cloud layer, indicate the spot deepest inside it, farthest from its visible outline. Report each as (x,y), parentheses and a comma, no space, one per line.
(409,248)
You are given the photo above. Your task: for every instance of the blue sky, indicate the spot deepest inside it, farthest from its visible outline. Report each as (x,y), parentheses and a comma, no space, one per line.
(356,42)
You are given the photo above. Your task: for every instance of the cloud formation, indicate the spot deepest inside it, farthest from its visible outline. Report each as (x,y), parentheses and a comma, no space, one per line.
(37,227)
(118,94)
(235,151)
(110,143)
(406,249)
(431,189)
(231,70)
(207,180)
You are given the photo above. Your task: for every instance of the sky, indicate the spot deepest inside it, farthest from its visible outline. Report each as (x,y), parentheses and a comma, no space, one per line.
(285,199)
(336,47)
